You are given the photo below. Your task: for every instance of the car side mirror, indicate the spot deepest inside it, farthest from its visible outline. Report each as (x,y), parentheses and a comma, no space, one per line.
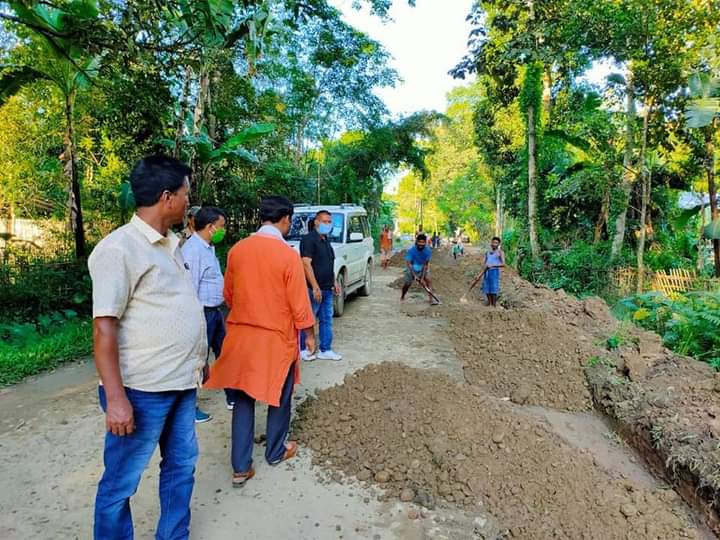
(356,237)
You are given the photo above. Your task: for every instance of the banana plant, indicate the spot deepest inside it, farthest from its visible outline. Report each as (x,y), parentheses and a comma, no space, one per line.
(208,154)
(703,112)
(57,31)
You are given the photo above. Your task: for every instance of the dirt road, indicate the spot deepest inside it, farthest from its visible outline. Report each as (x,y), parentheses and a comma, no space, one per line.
(484,466)
(51,439)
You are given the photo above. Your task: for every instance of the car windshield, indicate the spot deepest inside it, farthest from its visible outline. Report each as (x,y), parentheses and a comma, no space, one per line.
(299,227)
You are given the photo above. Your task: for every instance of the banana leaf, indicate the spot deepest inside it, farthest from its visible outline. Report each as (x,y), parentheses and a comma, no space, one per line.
(712,231)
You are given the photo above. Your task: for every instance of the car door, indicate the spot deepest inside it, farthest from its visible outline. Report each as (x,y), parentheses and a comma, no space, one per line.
(355,248)
(368,242)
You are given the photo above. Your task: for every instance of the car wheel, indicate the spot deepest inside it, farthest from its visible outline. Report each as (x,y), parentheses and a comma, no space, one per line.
(339,303)
(366,289)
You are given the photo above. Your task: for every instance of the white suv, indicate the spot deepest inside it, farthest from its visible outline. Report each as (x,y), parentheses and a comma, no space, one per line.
(352,242)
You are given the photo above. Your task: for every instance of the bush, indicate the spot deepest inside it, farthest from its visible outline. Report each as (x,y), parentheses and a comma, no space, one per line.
(689,324)
(27,349)
(31,285)
(581,269)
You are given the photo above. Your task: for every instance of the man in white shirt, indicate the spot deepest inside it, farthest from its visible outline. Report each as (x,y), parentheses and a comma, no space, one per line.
(150,345)
(207,278)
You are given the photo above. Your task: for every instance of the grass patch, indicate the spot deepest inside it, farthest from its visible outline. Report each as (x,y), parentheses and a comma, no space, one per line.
(66,340)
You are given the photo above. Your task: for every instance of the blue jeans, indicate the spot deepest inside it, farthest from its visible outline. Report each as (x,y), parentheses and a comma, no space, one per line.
(164,418)
(243,426)
(323,312)
(216,336)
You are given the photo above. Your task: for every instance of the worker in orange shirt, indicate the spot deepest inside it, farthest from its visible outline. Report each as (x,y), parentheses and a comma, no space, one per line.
(386,243)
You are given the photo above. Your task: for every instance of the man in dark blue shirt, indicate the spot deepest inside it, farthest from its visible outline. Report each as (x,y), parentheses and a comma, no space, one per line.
(417,262)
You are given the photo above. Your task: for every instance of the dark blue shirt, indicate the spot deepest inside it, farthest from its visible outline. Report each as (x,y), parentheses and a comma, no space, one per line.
(417,258)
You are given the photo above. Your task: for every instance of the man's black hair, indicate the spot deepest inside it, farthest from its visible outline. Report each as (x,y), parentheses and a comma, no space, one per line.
(154,175)
(421,236)
(497,238)
(206,216)
(274,208)
(322,212)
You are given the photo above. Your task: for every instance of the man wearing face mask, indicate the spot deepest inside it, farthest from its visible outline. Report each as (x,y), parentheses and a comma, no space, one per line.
(417,262)
(319,262)
(207,278)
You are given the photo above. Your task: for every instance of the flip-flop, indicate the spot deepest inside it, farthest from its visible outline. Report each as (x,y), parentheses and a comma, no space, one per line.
(290,452)
(240,479)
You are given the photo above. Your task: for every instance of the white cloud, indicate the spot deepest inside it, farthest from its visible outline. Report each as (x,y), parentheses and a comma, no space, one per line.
(425,41)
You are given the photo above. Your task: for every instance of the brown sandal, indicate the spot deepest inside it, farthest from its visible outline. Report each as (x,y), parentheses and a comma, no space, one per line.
(239,479)
(290,452)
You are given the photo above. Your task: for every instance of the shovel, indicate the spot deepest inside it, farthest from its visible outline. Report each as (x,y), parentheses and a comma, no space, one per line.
(428,290)
(463,298)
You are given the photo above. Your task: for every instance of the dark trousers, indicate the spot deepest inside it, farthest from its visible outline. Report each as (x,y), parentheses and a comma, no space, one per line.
(216,335)
(161,418)
(243,426)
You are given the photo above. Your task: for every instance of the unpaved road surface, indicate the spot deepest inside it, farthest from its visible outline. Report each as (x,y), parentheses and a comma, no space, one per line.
(51,451)
(415,434)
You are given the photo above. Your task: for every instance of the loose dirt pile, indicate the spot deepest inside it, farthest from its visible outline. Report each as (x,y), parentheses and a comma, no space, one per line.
(545,347)
(398,258)
(426,439)
(531,357)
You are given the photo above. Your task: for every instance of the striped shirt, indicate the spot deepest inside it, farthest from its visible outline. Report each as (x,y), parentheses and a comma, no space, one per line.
(205,270)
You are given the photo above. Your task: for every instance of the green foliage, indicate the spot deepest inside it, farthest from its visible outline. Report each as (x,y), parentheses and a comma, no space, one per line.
(600,361)
(28,349)
(688,324)
(531,89)
(581,269)
(31,286)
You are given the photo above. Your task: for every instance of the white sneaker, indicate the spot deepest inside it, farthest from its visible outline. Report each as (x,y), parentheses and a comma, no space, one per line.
(307,356)
(329,355)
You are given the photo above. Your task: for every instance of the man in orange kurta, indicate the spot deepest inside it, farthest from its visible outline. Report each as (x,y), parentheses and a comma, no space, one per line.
(267,296)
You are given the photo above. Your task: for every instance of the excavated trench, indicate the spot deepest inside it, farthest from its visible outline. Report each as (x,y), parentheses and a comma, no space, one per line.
(551,435)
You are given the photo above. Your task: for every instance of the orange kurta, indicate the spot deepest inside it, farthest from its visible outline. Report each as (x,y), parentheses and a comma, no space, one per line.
(267,295)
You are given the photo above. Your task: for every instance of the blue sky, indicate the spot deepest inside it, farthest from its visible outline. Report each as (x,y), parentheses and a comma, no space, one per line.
(425,41)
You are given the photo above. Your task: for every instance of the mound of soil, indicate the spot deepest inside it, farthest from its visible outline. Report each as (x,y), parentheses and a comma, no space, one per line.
(532,357)
(590,314)
(398,258)
(423,438)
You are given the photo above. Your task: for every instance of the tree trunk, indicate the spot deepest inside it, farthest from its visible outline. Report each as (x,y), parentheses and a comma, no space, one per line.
(701,240)
(499,213)
(710,156)
(200,100)
(712,190)
(71,173)
(209,109)
(628,173)
(547,94)
(184,105)
(647,180)
(532,184)
(646,177)
(198,118)
(603,216)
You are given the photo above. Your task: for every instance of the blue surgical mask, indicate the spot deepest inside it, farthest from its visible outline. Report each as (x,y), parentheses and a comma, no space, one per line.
(325,228)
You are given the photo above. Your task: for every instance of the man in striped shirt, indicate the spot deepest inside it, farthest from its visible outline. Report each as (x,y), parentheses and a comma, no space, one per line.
(206,275)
